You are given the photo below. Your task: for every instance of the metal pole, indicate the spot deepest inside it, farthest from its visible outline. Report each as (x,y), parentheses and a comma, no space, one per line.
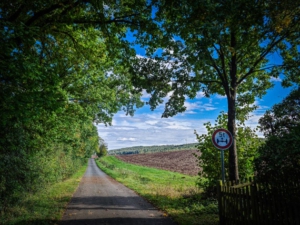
(223,169)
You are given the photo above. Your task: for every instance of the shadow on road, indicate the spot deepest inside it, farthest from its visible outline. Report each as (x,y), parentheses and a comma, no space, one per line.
(119,221)
(109,202)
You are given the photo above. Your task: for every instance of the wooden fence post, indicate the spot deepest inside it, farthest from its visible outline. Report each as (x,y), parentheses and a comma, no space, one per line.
(254,205)
(220,202)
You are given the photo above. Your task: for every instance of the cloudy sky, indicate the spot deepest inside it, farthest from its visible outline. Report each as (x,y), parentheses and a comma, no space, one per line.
(147,127)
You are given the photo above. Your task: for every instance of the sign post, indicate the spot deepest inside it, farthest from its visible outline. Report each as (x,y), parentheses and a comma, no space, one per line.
(222,140)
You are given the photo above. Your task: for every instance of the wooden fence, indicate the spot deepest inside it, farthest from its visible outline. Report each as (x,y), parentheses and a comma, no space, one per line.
(259,204)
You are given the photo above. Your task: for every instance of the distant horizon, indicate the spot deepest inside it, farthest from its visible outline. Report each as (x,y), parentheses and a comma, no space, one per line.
(152,146)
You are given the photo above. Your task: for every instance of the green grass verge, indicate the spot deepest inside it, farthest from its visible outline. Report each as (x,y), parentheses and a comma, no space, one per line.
(44,207)
(174,193)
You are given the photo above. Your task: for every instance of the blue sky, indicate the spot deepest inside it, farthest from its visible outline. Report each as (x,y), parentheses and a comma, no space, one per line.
(147,127)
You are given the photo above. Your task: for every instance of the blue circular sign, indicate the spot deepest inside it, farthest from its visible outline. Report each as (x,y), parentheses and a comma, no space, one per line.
(222,139)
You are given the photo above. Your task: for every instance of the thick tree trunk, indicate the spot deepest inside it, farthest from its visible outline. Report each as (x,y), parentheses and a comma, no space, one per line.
(233,160)
(231,99)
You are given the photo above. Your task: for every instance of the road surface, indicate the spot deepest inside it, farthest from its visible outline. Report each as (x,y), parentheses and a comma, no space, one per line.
(101,200)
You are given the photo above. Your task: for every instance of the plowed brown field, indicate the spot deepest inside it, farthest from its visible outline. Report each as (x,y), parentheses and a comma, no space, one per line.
(178,161)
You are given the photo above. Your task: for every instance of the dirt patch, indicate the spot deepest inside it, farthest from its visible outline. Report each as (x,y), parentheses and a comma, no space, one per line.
(178,161)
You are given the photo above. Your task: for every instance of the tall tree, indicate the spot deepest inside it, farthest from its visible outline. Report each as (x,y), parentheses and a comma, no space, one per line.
(218,47)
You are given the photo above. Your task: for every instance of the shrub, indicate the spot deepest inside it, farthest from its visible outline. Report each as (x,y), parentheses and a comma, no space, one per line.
(279,156)
(209,157)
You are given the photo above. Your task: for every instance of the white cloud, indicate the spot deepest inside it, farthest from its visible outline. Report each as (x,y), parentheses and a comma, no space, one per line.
(276,79)
(145,95)
(151,122)
(260,107)
(189,112)
(150,129)
(191,106)
(208,107)
(252,121)
(220,96)
(126,139)
(200,94)
(124,128)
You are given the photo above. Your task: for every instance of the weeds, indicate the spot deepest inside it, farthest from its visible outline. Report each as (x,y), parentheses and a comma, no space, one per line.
(144,180)
(44,207)
(124,174)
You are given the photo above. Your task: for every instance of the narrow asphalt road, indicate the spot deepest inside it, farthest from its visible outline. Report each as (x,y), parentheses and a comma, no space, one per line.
(101,200)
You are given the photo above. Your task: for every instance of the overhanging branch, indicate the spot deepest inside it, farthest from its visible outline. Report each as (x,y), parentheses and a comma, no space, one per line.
(43,12)
(262,56)
(199,81)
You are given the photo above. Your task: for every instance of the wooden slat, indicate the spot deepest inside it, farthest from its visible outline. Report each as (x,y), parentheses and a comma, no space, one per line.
(251,203)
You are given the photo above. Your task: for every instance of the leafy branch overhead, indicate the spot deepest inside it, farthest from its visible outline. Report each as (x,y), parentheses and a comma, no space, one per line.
(225,48)
(74,49)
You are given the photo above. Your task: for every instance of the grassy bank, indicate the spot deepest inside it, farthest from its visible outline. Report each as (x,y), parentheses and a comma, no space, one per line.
(43,207)
(174,193)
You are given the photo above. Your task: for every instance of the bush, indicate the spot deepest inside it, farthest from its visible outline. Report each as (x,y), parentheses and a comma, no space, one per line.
(41,154)
(209,157)
(279,158)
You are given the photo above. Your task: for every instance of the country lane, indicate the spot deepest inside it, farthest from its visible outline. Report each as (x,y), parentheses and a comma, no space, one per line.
(99,199)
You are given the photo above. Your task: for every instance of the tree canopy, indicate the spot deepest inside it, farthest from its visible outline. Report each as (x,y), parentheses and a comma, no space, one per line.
(68,51)
(279,156)
(64,64)
(219,47)
(283,117)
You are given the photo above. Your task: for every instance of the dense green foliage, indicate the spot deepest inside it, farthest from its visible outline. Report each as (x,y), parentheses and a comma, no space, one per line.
(174,193)
(46,206)
(279,156)
(151,149)
(30,160)
(219,47)
(283,117)
(63,66)
(209,157)
(102,151)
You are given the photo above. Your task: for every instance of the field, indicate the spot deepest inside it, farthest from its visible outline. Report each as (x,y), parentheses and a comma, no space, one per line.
(152,149)
(178,161)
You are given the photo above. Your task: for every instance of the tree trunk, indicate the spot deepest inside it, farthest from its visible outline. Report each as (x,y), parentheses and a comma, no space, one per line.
(231,99)
(233,160)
